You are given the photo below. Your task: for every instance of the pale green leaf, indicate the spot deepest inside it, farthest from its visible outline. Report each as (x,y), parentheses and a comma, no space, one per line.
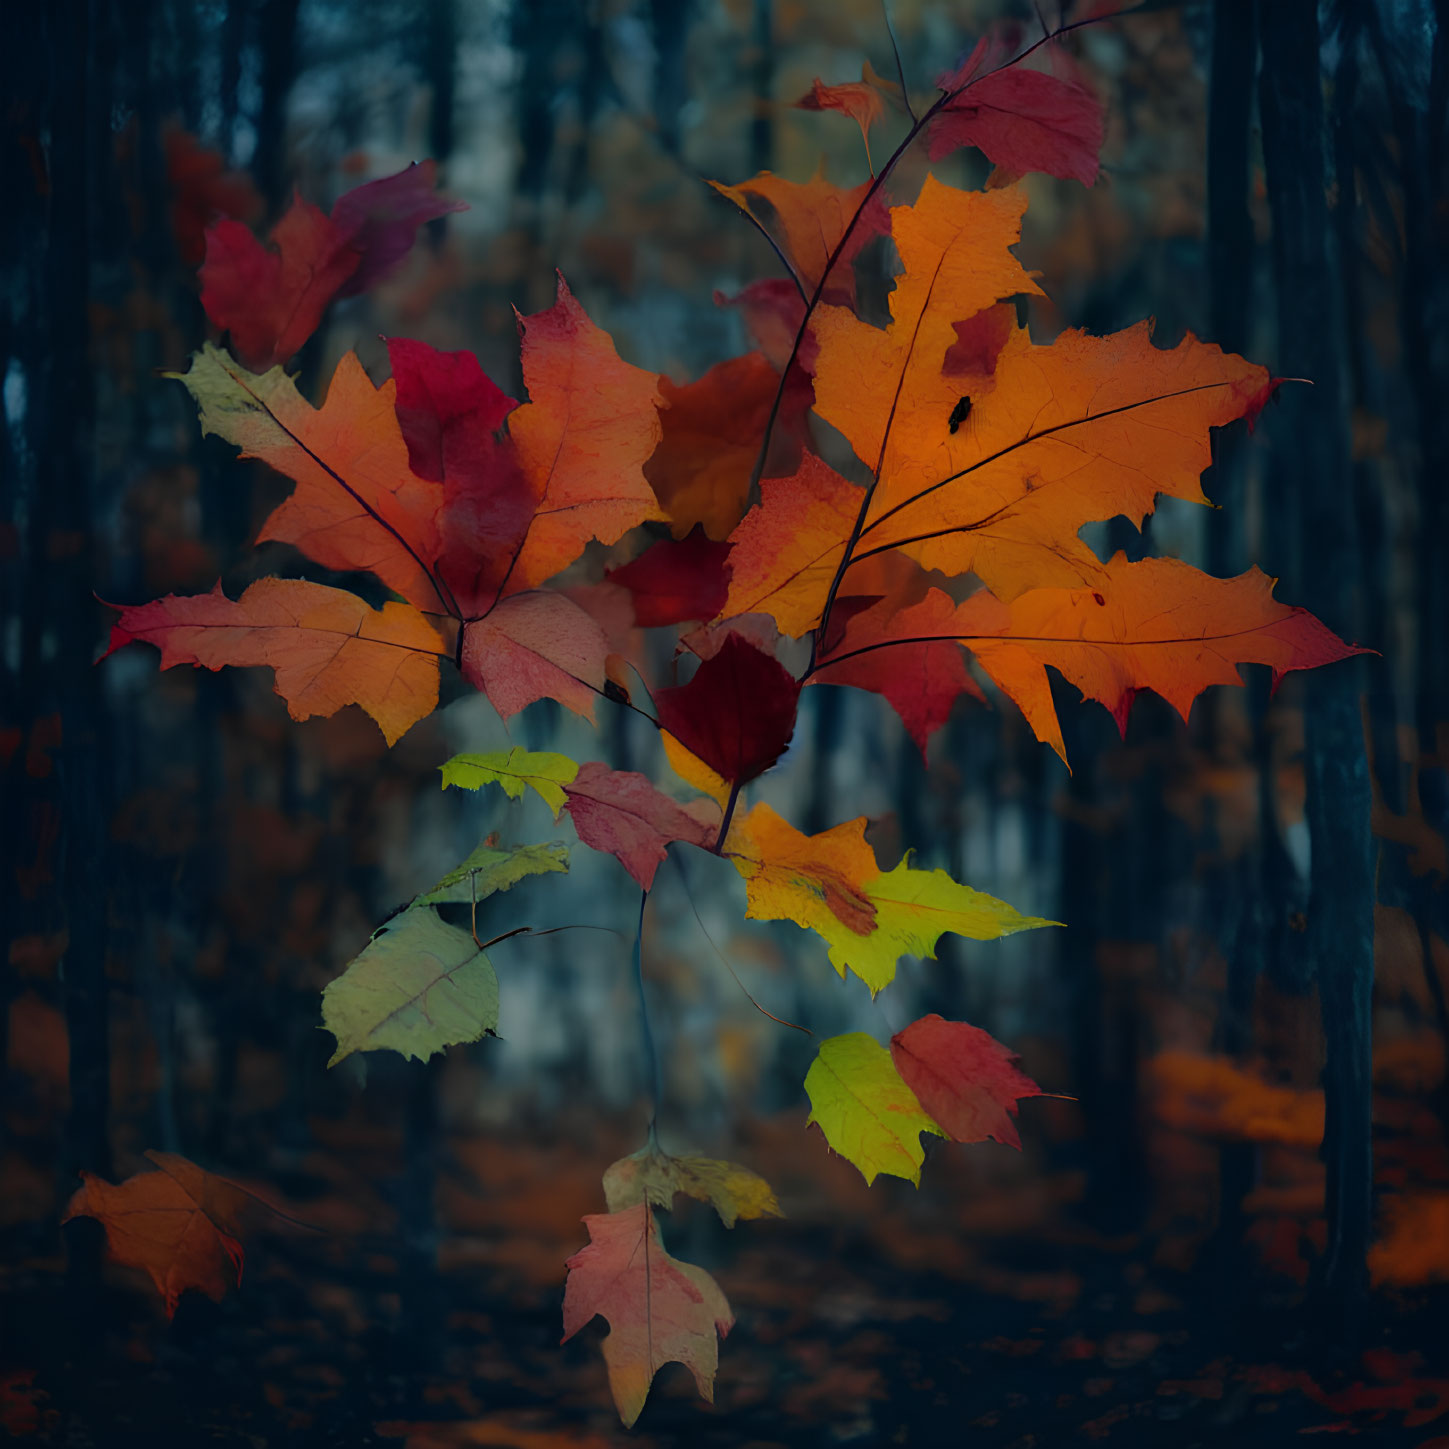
(489,869)
(419,986)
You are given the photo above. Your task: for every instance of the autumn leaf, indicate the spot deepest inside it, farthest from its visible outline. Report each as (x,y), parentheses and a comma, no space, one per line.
(788,547)
(736,714)
(863,100)
(180,1224)
(654,1176)
(450,413)
(964,1077)
(831,884)
(1084,429)
(659,1310)
(995,472)
(675,580)
(519,508)
(867,1113)
(810,221)
(270,299)
(621,813)
(711,431)
(381,220)
(921,681)
(1157,624)
(773,309)
(817,881)
(693,771)
(541,771)
(538,645)
(357,503)
(1023,120)
(421,985)
(418,987)
(884,389)
(582,439)
(489,869)
(326,646)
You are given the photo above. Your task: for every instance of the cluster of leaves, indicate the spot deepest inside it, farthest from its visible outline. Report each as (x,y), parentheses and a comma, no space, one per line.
(978,457)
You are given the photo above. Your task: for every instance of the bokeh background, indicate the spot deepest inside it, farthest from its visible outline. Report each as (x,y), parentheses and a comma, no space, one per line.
(1182,1251)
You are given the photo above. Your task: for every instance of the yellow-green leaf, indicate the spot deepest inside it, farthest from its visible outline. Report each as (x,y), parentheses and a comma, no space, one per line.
(913,910)
(489,869)
(830,884)
(734,1191)
(867,1113)
(546,774)
(419,986)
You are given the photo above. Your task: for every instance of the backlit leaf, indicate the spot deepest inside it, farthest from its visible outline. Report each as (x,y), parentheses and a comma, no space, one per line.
(809,220)
(582,439)
(326,647)
(649,1174)
(830,884)
(180,1224)
(736,714)
(489,869)
(659,1310)
(620,812)
(357,503)
(867,1113)
(963,1077)
(538,645)
(1023,120)
(418,987)
(675,580)
(1157,624)
(544,773)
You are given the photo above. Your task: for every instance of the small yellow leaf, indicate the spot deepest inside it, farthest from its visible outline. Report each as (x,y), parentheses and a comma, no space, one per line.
(734,1191)
(867,1113)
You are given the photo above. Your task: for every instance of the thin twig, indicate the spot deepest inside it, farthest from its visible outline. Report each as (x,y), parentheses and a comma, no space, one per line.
(704,930)
(885,6)
(650,1050)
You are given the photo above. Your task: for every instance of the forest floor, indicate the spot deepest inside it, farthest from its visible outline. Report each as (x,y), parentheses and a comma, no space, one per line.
(979,1310)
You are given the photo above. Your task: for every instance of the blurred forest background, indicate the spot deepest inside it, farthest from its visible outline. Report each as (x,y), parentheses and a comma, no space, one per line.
(1181,1250)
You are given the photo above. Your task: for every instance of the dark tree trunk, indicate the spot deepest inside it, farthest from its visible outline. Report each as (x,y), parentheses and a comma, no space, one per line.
(277,40)
(762,71)
(1313,462)
(671,89)
(1230,254)
(441,68)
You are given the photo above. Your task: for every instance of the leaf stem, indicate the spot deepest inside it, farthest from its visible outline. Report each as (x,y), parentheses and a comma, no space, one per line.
(704,931)
(651,1052)
(729,811)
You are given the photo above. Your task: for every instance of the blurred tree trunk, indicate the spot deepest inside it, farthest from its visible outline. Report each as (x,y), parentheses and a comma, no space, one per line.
(670,20)
(762,71)
(62,100)
(1230,248)
(538,28)
(277,43)
(1230,255)
(440,65)
(1315,480)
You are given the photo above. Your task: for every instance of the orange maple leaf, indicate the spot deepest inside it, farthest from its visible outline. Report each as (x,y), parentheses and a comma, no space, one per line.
(327,647)
(181,1224)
